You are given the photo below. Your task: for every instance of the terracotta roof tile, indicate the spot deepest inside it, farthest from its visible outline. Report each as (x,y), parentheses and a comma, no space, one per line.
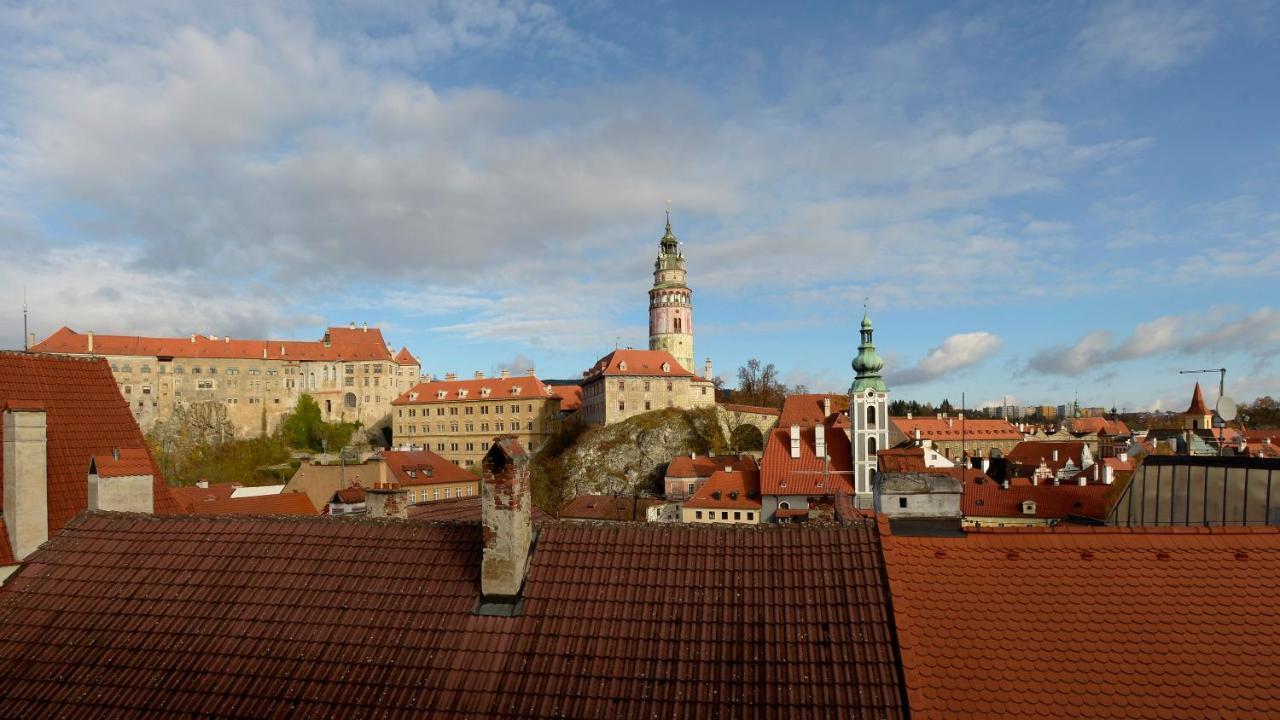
(467,508)
(804,410)
(404,357)
(291,503)
(781,474)
(988,499)
(1197,406)
(684,466)
(608,507)
(321,617)
(515,388)
(933,428)
(344,344)
(570,396)
(1088,623)
(628,363)
(1100,426)
(728,491)
(423,467)
(125,462)
(85,416)
(1032,452)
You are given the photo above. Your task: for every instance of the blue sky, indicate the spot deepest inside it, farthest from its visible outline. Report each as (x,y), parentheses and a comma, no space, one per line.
(1039,200)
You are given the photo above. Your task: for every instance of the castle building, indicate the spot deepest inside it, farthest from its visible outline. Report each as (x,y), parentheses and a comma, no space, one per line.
(671,303)
(351,372)
(626,383)
(868,414)
(458,419)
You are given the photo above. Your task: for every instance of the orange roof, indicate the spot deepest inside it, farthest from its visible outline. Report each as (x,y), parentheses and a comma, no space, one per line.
(751,409)
(85,416)
(804,410)
(570,396)
(953,428)
(404,357)
(781,474)
(608,507)
(124,463)
(728,491)
(988,499)
(637,363)
(187,495)
(499,388)
(901,459)
(1198,407)
(343,344)
(423,467)
(1080,622)
(291,503)
(1099,425)
(1031,452)
(683,466)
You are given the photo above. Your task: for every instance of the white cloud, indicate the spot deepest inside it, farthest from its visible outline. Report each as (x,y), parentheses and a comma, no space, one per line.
(955,353)
(1137,39)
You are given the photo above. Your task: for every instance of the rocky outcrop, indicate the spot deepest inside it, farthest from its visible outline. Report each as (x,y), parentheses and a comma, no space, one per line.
(631,456)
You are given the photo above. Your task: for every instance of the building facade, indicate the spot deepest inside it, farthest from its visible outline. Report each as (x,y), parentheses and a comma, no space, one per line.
(868,415)
(671,303)
(626,383)
(351,373)
(458,419)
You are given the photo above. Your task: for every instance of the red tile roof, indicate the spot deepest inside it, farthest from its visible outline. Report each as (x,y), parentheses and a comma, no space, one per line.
(126,462)
(637,363)
(321,617)
(728,491)
(467,508)
(423,467)
(1100,426)
(1197,407)
(683,466)
(291,503)
(1089,622)
(404,357)
(499,388)
(189,494)
(622,508)
(901,459)
(804,410)
(344,344)
(570,396)
(1031,452)
(85,416)
(988,499)
(780,474)
(954,428)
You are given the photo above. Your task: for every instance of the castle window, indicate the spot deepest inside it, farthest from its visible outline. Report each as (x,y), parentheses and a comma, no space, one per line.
(678,325)
(871,416)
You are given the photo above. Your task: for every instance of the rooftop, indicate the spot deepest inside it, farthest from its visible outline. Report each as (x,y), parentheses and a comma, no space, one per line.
(646,363)
(519,387)
(728,491)
(338,344)
(624,508)
(955,428)
(684,466)
(422,467)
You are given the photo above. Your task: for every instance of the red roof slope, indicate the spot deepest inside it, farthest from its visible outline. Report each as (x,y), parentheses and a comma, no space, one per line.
(423,467)
(954,428)
(292,503)
(129,461)
(901,459)
(683,466)
(570,396)
(637,362)
(467,508)
(608,507)
(803,410)
(500,388)
(988,499)
(751,409)
(1031,452)
(1099,425)
(728,491)
(85,416)
(404,357)
(318,617)
(344,344)
(781,474)
(1089,623)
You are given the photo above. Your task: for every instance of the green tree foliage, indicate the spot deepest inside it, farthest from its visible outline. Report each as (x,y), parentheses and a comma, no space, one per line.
(304,428)
(1262,413)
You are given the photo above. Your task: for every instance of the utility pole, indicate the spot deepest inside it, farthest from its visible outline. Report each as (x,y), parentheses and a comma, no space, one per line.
(26,342)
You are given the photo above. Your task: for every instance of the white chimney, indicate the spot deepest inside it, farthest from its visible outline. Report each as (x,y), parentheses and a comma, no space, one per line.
(26,477)
(366,326)
(90,334)
(1124,456)
(202,484)
(795,441)
(505,374)
(826,406)
(917,436)
(31,340)
(820,441)
(529,372)
(1055,455)
(507,532)
(352,325)
(193,338)
(1108,475)
(950,422)
(908,415)
(115,491)
(706,370)
(728,468)
(479,375)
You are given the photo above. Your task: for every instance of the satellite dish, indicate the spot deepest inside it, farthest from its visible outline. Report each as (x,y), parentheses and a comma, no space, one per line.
(1226,408)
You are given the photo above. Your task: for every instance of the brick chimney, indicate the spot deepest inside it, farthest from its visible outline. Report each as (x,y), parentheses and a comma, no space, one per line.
(507,530)
(26,478)
(387,501)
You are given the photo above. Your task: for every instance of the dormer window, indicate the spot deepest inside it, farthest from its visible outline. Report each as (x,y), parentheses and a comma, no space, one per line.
(440,394)
(462,393)
(666,367)
(413,396)
(515,389)
(1028,507)
(484,392)
(622,366)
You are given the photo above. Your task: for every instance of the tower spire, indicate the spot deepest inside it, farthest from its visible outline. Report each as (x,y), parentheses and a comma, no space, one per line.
(868,363)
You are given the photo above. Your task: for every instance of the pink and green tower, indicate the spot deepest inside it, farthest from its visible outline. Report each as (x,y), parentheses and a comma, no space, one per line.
(671,302)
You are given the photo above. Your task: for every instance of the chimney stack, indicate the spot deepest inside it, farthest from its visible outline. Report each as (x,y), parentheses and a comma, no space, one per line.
(387,502)
(366,326)
(479,375)
(1055,455)
(507,531)
(193,338)
(111,489)
(31,340)
(26,483)
(908,414)
(202,484)
(529,372)
(706,370)
(450,376)
(90,336)
(505,374)
(1124,456)
(826,406)
(352,325)
(917,433)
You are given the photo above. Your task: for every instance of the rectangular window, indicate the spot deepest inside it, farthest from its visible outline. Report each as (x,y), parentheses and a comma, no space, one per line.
(622,384)
(484,409)
(698,514)
(146,389)
(351,369)
(439,411)
(470,410)
(724,515)
(497,409)
(453,411)
(737,515)
(668,386)
(435,494)
(622,405)
(751,516)
(647,405)
(646,386)
(515,409)
(448,493)
(194,371)
(902,502)
(349,382)
(204,385)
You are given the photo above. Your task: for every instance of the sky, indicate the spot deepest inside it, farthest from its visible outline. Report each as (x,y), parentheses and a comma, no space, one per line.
(1036,201)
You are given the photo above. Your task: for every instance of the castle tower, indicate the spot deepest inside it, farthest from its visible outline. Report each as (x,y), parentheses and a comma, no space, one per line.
(671,303)
(868,414)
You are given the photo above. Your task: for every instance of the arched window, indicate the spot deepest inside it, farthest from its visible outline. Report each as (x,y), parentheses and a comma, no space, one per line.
(871,416)
(349,400)
(677,324)
(871,447)
(784,505)
(871,478)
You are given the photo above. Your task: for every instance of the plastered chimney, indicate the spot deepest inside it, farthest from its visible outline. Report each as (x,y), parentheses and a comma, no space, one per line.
(26,483)
(529,372)
(387,502)
(31,340)
(1055,455)
(90,334)
(504,374)
(908,415)
(116,491)
(706,370)
(826,406)
(507,531)
(479,375)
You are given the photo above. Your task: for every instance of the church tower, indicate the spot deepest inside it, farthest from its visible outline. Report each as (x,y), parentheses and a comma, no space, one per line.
(868,414)
(671,303)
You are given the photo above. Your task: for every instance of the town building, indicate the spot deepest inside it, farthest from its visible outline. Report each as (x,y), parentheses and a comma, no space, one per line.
(671,303)
(807,460)
(1050,463)
(1189,491)
(988,503)
(426,476)
(458,419)
(919,496)
(232,499)
(70,443)
(614,508)
(956,436)
(686,473)
(727,497)
(868,415)
(626,383)
(351,373)
(911,457)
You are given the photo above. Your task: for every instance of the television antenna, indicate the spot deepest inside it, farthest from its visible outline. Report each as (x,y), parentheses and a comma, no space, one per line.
(1225,408)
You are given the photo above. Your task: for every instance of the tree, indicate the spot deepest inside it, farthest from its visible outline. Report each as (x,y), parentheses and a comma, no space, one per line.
(304,427)
(758,384)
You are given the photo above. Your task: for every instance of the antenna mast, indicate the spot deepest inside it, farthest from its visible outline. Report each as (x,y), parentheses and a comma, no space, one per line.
(26,338)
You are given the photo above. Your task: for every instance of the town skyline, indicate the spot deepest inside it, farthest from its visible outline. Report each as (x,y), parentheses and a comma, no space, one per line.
(487,185)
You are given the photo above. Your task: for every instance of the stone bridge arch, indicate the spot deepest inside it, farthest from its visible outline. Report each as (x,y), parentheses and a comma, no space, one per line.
(738,421)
